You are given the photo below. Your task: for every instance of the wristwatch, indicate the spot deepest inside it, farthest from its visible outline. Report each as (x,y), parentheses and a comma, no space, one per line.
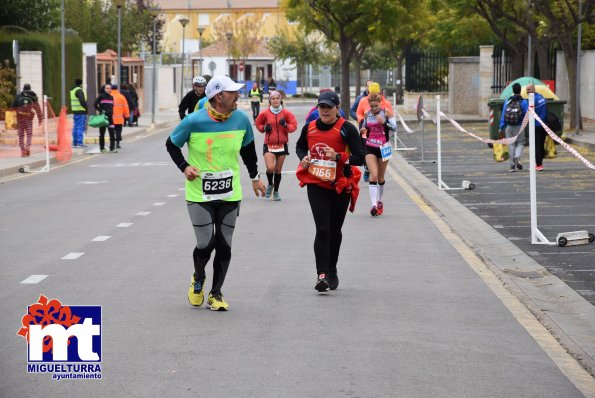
(337,157)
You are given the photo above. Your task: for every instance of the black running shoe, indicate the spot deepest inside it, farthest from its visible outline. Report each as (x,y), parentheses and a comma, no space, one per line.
(322,284)
(517,163)
(333,281)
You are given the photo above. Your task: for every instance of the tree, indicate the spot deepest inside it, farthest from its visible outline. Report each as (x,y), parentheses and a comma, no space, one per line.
(546,21)
(97,21)
(344,22)
(38,15)
(305,49)
(246,37)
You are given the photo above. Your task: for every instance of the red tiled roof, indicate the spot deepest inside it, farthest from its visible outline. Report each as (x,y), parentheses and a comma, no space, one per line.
(109,55)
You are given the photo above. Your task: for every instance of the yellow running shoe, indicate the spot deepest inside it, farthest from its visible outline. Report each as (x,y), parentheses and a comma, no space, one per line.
(217,303)
(196,295)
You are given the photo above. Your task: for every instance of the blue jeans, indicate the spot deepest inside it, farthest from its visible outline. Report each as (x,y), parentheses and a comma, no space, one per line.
(515,150)
(78,129)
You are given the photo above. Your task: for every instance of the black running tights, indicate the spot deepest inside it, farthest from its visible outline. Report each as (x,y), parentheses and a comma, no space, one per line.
(329,210)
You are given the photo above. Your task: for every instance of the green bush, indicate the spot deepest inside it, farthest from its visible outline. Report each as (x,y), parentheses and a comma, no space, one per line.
(7,86)
(49,43)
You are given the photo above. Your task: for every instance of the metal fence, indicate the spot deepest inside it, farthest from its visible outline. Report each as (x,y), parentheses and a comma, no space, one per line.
(426,70)
(502,65)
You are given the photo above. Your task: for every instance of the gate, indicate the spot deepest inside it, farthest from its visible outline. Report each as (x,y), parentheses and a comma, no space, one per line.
(426,70)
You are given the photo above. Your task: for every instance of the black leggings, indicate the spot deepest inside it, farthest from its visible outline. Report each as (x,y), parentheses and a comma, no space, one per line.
(214,224)
(112,137)
(329,210)
(255,109)
(539,144)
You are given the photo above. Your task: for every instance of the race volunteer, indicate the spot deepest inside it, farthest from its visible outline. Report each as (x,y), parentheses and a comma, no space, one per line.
(328,148)
(215,136)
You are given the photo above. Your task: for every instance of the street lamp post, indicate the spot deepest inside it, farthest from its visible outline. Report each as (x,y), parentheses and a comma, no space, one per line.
(200,32)
(183,21)
(119,4)
(154,12)
(577,107)
(229,35)
(62,59)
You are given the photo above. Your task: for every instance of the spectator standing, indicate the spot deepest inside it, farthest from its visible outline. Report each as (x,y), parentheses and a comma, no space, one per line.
(215,137)
(121,113)
(540,134)
(513,113)
(78,107)
(255,100)
(125,91)
(105,104)
(134,114)
(190,100)
(272,86)
(276,123)
(27,106)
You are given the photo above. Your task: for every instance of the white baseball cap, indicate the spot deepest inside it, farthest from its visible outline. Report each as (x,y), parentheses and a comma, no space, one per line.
(221,83)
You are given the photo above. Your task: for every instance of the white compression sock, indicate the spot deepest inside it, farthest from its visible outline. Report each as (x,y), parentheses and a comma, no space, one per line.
(373,193)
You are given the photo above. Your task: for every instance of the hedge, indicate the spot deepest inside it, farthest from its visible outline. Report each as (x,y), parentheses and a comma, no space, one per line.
(49,43)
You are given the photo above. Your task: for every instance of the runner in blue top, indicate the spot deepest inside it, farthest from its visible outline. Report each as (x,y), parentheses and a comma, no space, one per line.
(215,136)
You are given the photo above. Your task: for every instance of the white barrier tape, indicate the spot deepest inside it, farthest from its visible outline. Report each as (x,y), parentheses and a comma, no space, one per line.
(427,115)
(407,129)
(561,142)
(505,141)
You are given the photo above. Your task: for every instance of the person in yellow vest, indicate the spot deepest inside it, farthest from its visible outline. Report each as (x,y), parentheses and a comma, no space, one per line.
(255,100)
(121,111)
(78,107)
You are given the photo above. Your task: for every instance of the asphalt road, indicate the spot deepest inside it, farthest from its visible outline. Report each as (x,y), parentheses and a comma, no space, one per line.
(415,314)
(565,197)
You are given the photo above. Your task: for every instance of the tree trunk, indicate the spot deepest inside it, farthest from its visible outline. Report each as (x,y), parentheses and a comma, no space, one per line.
(358,76)
(573,107)
(544,62)
(345,48)
(399,77)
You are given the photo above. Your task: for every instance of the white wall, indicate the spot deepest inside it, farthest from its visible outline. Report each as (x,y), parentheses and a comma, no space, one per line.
(31,68)
(587,80)
(165,96)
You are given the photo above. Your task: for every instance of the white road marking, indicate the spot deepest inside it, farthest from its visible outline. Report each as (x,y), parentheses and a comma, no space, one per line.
(124,225)
(34,279)
(159,204)
(136,164)
(143,213)
(92,182)
(101,238)
(181,189)
(72,256)
(175,195)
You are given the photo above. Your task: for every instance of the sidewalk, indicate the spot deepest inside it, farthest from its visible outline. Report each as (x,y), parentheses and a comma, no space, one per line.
(37,160)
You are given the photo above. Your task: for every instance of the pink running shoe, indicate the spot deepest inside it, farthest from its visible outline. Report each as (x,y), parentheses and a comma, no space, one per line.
(374,211)
(380,208)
